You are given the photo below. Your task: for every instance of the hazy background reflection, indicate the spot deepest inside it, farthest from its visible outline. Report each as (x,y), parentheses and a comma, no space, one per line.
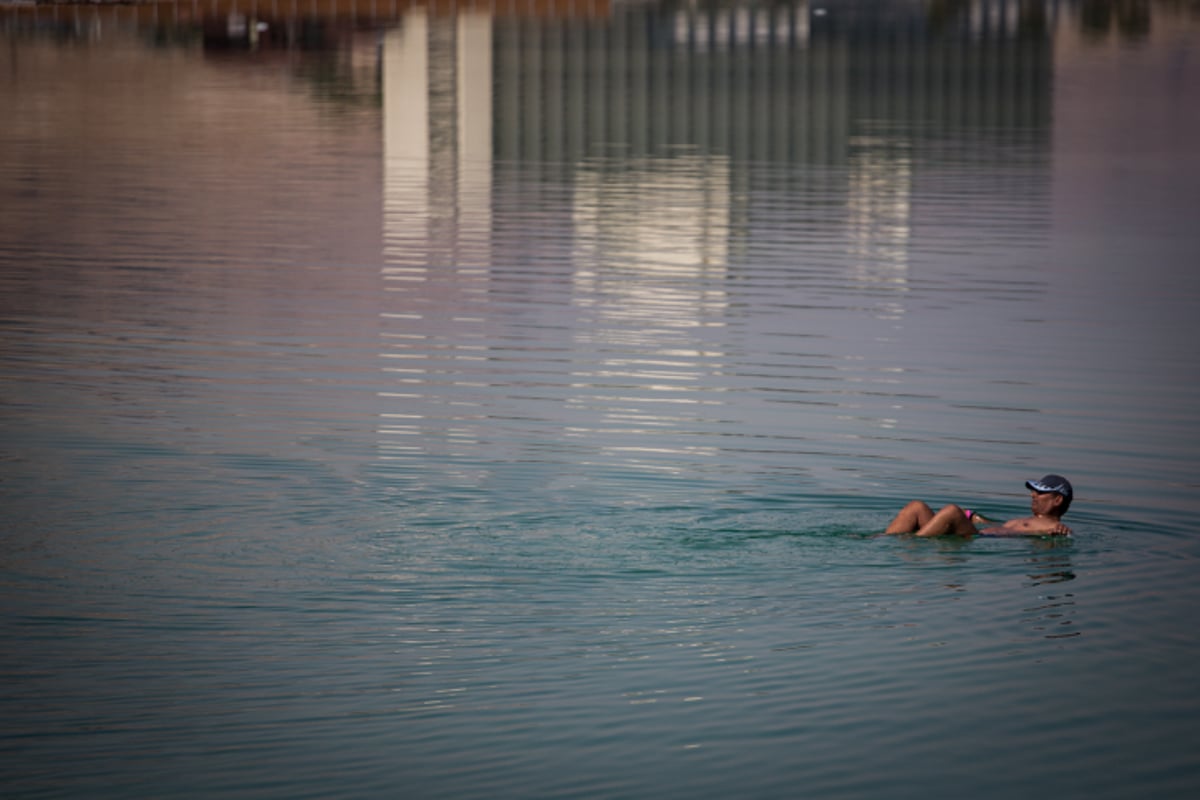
(821,241)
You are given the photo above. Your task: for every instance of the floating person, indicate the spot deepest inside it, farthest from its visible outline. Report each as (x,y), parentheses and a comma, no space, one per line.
(1050,498)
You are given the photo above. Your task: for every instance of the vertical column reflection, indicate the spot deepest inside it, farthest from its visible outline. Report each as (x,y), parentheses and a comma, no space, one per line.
(651,260)
(437,220)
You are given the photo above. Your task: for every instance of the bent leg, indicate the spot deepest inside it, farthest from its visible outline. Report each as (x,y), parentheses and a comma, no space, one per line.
(911,518)
(950,519)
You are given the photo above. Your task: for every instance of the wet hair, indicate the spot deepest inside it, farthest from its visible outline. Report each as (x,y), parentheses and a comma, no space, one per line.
(1066,503)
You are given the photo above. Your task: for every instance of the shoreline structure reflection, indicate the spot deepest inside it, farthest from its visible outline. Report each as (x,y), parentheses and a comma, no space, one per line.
(879,105)
(731,106)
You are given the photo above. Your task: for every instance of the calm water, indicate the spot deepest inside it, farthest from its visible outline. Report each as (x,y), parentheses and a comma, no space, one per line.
(504,404)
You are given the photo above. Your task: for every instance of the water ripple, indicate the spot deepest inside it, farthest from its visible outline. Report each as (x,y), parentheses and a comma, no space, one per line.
(495,404)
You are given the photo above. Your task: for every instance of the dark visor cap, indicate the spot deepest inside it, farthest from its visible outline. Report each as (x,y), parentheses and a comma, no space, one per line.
(1052,483)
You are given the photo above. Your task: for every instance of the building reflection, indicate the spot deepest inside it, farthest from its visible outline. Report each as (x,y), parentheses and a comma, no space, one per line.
(665,131)
(874,87)
(1128,19)
(576,190)
(437,212)
(649,272)
(308,24)
(503,125)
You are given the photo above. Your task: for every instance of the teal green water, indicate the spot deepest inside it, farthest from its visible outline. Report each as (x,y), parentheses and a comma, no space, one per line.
(507,406)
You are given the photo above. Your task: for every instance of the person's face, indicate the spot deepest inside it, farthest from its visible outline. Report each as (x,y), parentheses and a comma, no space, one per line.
(1043,503)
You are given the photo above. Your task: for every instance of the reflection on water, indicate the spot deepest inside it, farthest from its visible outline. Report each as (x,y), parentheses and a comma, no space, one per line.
(650,266)
(757,82)
(670,148)
(499,399)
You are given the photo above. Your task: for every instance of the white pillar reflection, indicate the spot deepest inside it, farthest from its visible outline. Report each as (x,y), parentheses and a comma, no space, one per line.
(437,117)
(879,218)
(474,138)
(406,146)
(651,261)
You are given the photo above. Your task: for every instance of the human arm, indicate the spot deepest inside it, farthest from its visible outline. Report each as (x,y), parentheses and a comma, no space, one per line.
(1030,526)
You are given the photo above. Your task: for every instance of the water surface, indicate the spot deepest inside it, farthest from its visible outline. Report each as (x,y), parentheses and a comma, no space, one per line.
(499,403)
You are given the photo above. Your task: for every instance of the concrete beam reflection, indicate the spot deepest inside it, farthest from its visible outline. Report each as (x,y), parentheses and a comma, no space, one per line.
(437,131)
(437,112)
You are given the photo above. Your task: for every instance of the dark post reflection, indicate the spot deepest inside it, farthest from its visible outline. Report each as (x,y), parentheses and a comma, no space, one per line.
(769,82)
